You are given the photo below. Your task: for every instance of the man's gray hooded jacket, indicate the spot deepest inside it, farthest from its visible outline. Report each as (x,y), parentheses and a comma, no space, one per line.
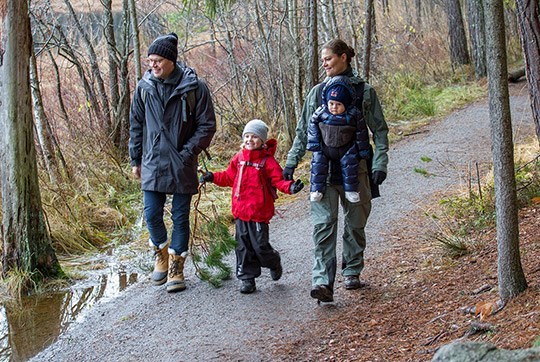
(166,136)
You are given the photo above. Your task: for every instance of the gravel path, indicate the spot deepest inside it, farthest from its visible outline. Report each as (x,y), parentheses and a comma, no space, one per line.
(145,323)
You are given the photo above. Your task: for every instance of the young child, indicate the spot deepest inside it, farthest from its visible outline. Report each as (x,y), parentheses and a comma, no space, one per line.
(338,137)
(253,173)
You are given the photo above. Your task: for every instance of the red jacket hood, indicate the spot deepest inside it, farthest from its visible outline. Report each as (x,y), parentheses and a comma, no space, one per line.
(268,150)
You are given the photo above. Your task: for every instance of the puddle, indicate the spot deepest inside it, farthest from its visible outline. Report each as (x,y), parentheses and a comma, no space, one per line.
(28,327)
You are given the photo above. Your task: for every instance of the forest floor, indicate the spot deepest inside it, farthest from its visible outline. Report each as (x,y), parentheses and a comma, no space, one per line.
(418,299)
(416,294)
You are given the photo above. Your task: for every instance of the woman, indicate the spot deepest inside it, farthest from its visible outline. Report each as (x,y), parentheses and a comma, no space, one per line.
(336,58)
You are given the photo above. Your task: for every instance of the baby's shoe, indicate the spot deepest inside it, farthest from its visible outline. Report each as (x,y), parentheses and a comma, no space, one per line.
(352,196)
(315,196)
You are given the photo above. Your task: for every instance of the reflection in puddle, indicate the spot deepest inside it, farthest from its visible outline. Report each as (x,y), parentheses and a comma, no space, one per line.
(26,328)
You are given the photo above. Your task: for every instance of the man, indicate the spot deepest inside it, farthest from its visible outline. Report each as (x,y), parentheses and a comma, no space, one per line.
(336,58)
(172,121)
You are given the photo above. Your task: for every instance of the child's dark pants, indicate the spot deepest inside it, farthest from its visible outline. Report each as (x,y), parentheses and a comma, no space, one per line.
(254,250)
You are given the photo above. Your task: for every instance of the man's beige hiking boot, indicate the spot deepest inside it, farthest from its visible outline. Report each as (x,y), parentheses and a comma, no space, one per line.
(175,278)
(161,263)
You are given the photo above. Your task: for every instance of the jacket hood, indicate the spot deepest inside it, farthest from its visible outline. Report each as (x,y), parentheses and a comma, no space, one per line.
(268,150)
(271,146)
(184,76)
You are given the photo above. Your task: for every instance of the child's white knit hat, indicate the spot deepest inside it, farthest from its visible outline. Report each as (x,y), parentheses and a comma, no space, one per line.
(257,127)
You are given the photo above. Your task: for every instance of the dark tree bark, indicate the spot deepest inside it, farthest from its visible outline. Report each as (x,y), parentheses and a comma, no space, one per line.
(529,24)
(475,11)
(510,273)
(27,244)
(459,55)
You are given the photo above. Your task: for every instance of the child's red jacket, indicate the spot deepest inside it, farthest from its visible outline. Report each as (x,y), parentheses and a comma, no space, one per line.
(252,198)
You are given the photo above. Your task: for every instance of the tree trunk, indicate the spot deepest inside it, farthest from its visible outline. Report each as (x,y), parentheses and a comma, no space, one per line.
(42,125)
(407,13)
(27,245)
(370,14)
(298,66)
(136,41)
(331,29)
(511,277)
(418,12)
(459,54)
(68,52)
(313,50)
(475,11)
(529,24)
(115,129)
(352,16)
(58,83)
(124,91)
(103,112)
(267,53)
(386,7)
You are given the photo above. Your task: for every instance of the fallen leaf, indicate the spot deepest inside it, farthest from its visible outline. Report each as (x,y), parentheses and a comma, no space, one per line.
(485,309)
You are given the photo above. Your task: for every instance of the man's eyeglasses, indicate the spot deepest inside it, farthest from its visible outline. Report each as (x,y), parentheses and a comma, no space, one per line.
(151,62)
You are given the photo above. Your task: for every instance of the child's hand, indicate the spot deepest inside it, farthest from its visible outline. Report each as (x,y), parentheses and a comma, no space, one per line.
(296,186)
(206,177)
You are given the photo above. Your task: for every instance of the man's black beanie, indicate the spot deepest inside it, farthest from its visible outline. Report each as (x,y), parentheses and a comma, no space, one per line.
(165,46)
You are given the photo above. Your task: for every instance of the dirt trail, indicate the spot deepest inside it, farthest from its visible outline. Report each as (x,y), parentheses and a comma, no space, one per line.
(146,324)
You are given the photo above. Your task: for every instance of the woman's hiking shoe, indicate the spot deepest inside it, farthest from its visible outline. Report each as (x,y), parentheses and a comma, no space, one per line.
(248,286)
(353,282)
(276,273)
(322,293)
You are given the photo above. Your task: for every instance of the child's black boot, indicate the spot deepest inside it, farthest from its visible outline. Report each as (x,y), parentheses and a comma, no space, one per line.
(248,286)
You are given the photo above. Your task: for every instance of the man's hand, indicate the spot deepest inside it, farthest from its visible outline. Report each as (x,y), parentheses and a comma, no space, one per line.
(136,170)
(206,177)
(288,173)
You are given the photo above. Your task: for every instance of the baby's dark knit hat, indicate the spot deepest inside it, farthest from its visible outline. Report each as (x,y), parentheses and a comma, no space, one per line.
(339,93)
(165,46)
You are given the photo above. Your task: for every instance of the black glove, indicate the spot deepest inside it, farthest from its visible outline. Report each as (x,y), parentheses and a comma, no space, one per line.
(288,173)
(207,177)
(378,177)
(296,186)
